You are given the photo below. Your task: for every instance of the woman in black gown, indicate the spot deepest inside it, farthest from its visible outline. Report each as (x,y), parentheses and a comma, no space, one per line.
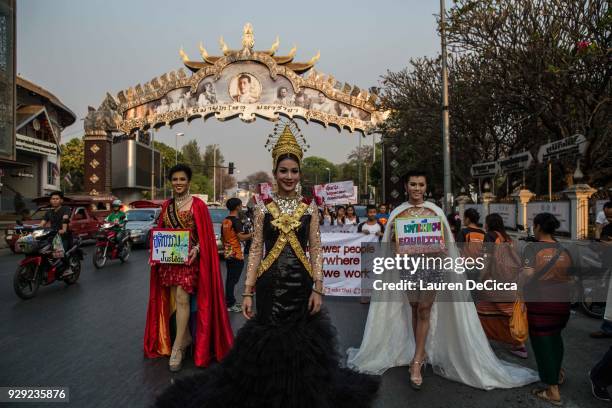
(286,354)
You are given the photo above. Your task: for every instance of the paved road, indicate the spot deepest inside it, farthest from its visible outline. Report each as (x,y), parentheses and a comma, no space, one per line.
(89,337)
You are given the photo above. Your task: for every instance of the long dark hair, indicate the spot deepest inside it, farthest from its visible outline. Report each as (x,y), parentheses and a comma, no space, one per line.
(496,223)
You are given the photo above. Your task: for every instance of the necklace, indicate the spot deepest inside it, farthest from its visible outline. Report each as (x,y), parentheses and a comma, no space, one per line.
(179,200)
(287,205)
(418,212)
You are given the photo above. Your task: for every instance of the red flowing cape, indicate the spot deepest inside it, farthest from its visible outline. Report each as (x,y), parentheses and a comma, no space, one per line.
(213,335)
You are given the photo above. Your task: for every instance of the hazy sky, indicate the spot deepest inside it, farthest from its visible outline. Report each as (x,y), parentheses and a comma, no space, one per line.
(81,49)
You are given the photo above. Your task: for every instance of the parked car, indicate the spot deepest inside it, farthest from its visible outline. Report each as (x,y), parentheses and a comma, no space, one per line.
(140,221)
(83,224)
(218,214)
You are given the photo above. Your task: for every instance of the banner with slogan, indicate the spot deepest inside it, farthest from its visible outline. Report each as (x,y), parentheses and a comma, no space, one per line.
(341,192)
(169,246)
(419,235)
(342,271)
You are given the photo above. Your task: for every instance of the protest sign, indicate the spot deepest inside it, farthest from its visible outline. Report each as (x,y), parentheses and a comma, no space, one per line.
(343,274)
(419,235)
(169,246)
(342,192)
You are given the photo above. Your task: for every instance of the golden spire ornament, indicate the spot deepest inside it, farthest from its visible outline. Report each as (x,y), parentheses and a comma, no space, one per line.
(283,141)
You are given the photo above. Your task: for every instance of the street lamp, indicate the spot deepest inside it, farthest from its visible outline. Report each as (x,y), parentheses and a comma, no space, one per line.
(328,174)
(176,147)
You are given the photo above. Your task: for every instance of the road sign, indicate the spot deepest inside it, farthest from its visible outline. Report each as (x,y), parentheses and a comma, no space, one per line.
(516,162)
(573,146)
(481,170)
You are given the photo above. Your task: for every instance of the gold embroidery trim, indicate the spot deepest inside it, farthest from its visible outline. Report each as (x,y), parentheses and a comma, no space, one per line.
(286,224)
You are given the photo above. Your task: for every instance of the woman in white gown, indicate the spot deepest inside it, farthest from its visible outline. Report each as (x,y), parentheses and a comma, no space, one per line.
(456,345)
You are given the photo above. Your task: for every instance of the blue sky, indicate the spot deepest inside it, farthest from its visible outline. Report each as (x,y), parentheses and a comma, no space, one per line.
(81,49)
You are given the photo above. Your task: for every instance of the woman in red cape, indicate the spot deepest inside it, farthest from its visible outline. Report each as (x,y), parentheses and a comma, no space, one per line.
(209,324)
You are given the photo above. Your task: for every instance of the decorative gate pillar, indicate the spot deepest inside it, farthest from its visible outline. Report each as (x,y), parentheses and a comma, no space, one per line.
(487,198)
(98,155)
(579,195)
(522,198)
(462,200)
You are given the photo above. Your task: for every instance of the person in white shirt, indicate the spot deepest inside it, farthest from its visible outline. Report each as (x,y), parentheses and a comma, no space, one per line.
(602,219)
(351,217)
(372,225)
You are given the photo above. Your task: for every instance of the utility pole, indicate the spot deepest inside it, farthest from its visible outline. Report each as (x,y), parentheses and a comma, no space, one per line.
(359,169)
(445,120)
(214,173)
(152,165)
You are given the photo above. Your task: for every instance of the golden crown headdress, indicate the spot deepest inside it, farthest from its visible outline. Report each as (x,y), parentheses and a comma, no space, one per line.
(283,142)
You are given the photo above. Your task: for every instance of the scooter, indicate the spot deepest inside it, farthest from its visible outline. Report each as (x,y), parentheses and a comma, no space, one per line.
(42,265)
(107,246)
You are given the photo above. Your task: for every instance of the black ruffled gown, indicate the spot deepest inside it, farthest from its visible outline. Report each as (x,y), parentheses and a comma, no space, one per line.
(284,357)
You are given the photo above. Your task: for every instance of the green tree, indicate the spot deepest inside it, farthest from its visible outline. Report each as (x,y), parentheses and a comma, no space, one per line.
(193,157)
(314,171)
(258,177)
(200,184)
(72,161)
(168,154)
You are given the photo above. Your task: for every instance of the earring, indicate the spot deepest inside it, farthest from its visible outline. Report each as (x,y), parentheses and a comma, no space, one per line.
(298,188)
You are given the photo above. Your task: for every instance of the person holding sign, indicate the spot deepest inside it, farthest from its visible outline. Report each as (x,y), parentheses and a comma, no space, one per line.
(408,328)
(185,265)
(284,356)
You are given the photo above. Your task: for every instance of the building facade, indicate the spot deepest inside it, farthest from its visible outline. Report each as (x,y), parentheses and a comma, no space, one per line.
(40,118)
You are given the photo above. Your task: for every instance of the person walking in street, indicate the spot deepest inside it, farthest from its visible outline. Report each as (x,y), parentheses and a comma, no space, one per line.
(495,307)
(232,236)
(351,216)
(383,214)
(545,281)
(372,225)
(173,286)
(600,377)
(340,215)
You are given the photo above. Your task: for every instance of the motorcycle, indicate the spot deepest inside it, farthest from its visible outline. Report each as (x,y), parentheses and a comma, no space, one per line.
(107,246)
(43,265)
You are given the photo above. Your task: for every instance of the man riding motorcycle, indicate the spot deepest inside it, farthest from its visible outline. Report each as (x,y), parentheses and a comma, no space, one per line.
(58,219)
(118,218)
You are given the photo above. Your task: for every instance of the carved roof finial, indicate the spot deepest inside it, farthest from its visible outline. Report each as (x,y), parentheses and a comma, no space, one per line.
(223,45)
(203,51)
(183,54)
(248,40)
(275,46)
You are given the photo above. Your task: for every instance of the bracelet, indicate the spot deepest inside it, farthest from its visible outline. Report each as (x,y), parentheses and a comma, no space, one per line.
(319,292)
(247,295)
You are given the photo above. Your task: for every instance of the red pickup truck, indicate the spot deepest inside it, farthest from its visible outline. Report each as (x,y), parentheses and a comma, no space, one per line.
(84,222)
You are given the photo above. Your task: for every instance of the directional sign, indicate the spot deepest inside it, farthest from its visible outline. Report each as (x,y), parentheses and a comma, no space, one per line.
(516,162)
(573,146)
(488,169)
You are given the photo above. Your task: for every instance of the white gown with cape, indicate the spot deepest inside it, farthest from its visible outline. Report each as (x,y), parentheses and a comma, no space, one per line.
(456,346)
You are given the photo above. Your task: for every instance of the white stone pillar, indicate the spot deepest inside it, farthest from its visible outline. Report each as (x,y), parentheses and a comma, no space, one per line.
(579,195)
(487,198)
(522,198)
(462,200)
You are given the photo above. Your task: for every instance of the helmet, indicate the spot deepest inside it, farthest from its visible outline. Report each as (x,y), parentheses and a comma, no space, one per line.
(116,203)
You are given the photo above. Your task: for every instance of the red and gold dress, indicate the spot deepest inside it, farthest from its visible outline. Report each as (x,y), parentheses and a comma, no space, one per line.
(185,276)
(208,323)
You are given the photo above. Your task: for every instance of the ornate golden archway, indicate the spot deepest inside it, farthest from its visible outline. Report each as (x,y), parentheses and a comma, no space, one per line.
(242,83)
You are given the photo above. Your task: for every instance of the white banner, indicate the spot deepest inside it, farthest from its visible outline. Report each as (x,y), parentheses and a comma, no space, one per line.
(341,192)
(507,212)
(560,209)
(342,272)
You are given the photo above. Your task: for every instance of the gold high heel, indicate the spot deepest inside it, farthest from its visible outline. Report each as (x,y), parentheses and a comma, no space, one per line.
(176,359)
(416,382)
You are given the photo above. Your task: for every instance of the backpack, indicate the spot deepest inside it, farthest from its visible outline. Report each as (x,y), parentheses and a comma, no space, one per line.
(473,244)
(506,264)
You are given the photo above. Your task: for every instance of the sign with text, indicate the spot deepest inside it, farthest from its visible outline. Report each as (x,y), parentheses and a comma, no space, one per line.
(516,162)
(573,146)
(488,169)
(419,235)
(560,209)
(169,246)
(507,211)
(343,274)
(341,192)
